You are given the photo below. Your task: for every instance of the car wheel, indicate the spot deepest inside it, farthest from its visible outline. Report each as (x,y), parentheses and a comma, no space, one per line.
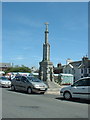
(67,95)
(29,90)
(12,88)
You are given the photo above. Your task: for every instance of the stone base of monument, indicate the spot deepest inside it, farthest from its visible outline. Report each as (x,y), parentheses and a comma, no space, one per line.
(53,91)
(53,88)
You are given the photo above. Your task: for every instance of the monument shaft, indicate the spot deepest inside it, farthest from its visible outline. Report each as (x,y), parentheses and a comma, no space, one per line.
(46,67)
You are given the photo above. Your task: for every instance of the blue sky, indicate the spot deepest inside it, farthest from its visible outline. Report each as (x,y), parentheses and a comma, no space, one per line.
(23,31)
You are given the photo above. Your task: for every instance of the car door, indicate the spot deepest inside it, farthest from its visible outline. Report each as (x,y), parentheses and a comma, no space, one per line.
(24,83)
(17,82)
(80,89)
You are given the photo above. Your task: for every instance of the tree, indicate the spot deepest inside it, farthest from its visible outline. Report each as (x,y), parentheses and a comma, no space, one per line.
(18,69)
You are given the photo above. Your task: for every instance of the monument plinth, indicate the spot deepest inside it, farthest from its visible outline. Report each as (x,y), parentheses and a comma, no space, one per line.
(46,66)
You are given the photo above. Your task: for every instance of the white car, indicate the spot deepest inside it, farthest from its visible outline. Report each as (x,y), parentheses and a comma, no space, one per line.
(4,82)
(80,89)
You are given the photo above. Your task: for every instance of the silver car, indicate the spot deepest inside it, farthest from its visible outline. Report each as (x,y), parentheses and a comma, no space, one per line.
(29,84)
(80,89)
(4,82)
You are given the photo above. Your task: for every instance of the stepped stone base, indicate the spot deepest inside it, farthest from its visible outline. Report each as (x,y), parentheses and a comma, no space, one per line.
(53,88)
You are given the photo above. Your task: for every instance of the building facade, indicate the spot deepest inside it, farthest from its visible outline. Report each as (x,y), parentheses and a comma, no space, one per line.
(72,68)
(78,69)
(5,66)
(85,67)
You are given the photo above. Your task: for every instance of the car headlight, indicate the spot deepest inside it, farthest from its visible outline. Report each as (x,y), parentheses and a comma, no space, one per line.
(9,82)
(36,86)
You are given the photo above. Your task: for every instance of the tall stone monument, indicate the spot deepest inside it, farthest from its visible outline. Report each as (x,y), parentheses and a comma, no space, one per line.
(46,66)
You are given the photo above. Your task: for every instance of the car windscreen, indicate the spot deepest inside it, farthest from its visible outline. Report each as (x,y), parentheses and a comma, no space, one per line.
(4,78)
(33,79)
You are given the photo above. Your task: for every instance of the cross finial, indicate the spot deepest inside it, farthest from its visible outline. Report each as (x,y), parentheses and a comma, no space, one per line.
(46,25)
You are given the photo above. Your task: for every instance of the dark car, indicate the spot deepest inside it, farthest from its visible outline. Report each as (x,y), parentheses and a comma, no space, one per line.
(29,84)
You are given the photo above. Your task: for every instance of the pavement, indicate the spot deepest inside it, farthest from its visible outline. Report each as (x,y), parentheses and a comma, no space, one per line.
(54,88)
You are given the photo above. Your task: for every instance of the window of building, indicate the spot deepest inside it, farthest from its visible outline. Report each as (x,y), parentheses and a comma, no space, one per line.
(74,71)
(85,71)
(65,71)
(89,70)
(69,71)
(81,70)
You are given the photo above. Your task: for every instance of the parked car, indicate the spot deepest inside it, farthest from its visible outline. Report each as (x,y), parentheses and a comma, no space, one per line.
(80,89)
(4,82)
(29,84)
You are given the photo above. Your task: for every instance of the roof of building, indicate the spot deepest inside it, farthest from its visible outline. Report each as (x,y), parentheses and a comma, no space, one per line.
(5,64)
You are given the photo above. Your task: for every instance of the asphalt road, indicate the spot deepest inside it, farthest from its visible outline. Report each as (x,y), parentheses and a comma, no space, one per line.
(23,105)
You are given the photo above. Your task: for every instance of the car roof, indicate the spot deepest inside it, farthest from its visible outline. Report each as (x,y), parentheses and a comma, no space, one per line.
(82,78)
(23,76)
